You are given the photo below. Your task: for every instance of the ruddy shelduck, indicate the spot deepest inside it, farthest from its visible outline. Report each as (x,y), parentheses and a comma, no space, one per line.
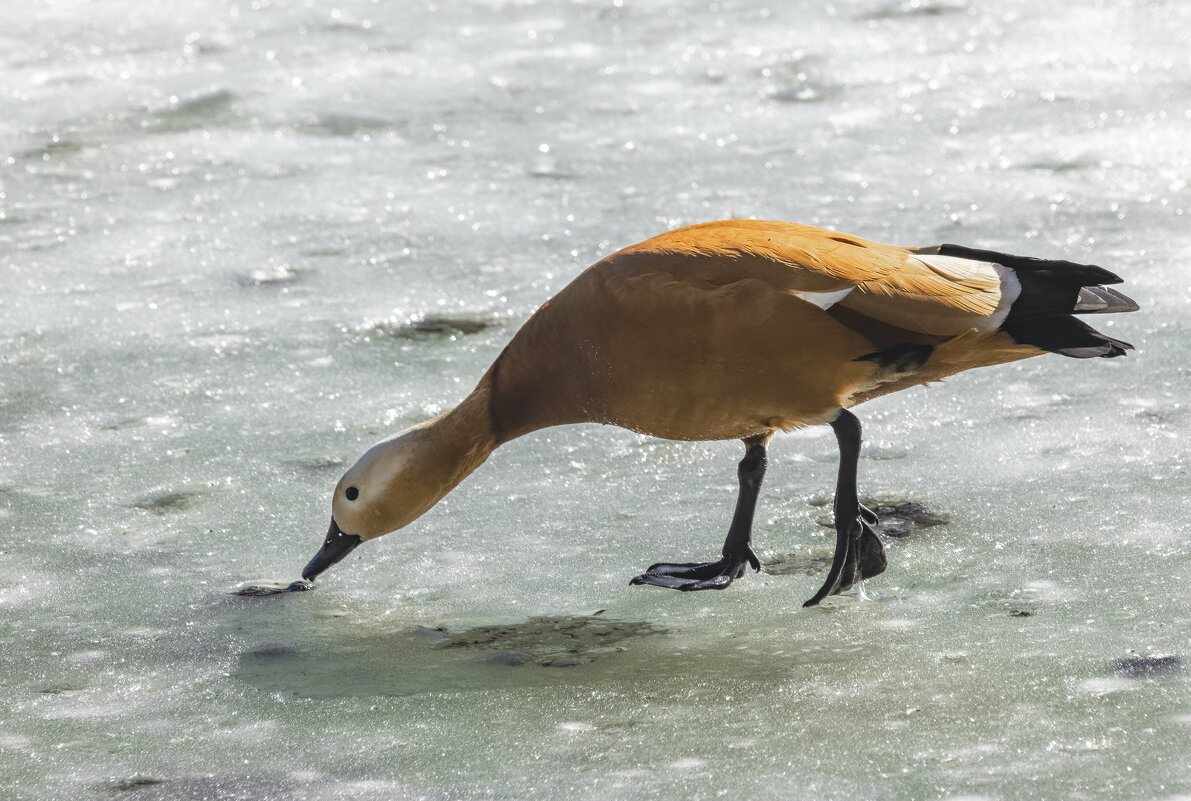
(737,330)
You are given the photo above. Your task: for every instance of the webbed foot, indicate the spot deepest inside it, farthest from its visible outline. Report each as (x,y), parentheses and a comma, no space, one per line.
(859,555)
(689,576)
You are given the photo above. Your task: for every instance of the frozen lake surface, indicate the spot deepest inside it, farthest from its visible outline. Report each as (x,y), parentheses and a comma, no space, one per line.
(241,241)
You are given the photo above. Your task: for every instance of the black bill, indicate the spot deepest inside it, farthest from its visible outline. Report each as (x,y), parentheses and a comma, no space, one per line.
(335,547)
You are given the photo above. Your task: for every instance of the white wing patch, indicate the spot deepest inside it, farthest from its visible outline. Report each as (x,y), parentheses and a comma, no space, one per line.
(824,300)
(959,269)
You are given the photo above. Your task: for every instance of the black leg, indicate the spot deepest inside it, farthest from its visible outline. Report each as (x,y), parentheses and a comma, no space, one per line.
(737,551)
(859,553)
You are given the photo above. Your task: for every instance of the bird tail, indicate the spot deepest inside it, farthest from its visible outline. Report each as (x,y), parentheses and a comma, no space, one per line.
(1051,292)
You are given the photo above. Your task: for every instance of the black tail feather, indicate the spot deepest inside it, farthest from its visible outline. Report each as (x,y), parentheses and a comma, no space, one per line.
(1051,291)
(1102,300)
(1064,335)
(1077,272)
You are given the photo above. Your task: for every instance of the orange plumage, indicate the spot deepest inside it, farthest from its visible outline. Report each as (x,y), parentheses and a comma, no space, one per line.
(737,329)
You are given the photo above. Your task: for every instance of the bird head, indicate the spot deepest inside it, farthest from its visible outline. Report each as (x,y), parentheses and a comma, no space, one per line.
(392,485)
(400,479)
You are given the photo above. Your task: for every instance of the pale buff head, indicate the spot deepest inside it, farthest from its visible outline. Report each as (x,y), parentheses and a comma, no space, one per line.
(400,479)
(391,485)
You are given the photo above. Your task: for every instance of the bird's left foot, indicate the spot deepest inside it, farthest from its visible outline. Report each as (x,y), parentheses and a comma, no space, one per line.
(859,555)
(691,576)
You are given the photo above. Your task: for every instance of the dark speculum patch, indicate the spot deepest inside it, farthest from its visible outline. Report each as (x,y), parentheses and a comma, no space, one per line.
(906,357)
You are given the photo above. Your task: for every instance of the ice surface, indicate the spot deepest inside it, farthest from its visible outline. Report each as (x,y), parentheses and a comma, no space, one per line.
(240,241)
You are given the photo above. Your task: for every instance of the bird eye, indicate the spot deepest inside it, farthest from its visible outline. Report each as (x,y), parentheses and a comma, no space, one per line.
(352,493)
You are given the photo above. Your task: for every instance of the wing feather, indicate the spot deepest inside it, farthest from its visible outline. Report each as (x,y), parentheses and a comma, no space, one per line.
(939,295)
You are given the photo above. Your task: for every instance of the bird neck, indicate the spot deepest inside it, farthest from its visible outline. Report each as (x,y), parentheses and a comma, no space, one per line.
(462,439)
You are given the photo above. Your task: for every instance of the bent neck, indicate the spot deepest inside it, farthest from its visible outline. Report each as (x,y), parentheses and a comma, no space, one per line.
(462,439)
(404,476)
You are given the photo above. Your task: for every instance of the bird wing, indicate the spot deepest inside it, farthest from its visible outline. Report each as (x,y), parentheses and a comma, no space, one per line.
(895,286)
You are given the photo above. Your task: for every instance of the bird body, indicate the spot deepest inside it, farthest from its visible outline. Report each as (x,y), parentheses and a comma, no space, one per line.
(736,330)
(719,331)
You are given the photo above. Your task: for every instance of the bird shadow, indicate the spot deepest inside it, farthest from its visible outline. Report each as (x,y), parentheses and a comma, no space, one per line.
(540,651)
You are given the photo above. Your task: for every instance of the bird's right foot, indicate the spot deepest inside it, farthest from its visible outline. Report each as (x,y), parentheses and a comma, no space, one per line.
(690,576)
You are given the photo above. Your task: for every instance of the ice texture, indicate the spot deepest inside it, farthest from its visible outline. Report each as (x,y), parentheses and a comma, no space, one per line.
(241,241)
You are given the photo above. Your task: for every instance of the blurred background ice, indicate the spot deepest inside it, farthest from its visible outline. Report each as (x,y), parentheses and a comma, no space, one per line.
(240,241)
